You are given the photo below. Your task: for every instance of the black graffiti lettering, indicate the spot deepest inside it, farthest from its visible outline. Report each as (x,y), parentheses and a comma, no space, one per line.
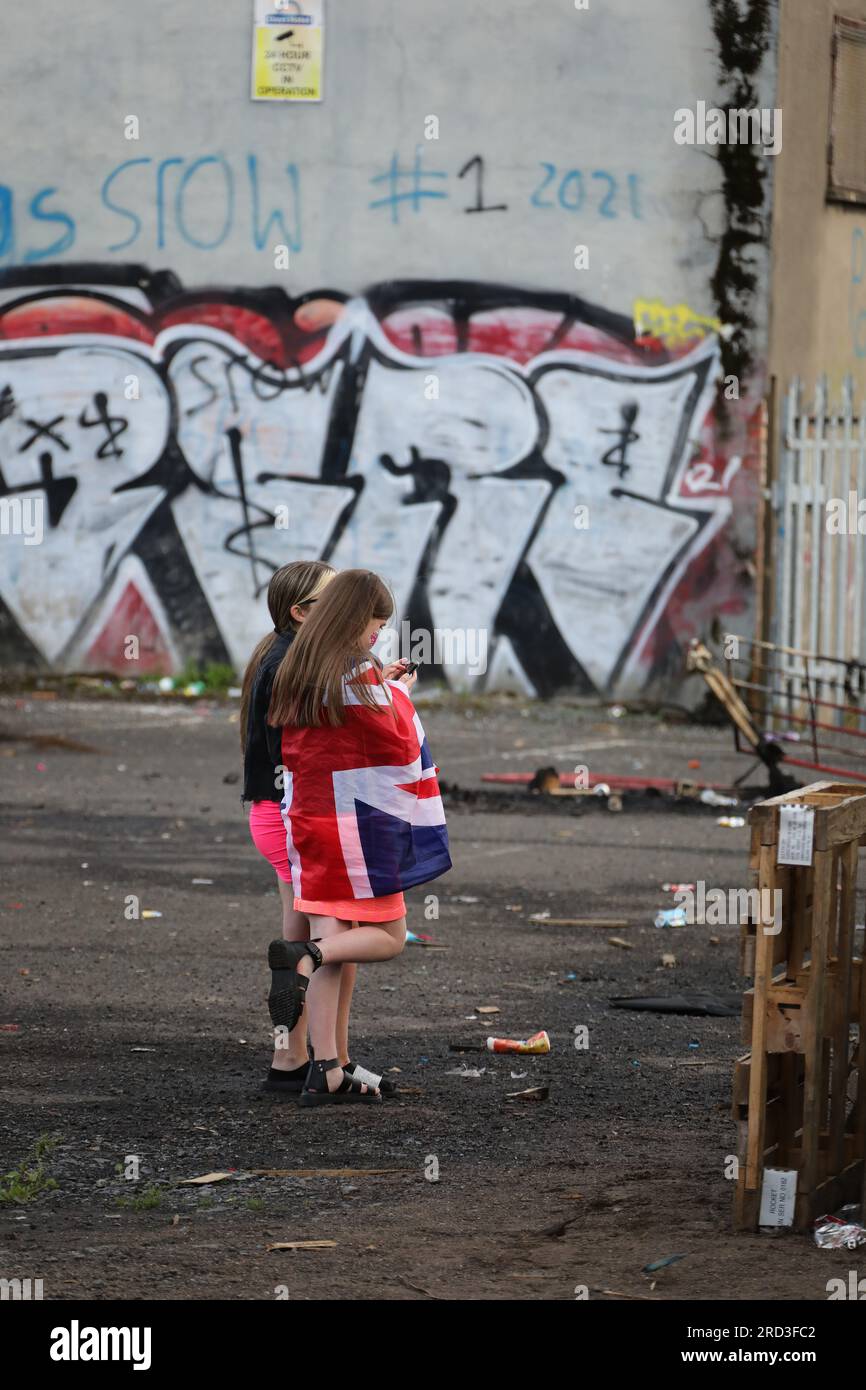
(480,205)
(114,424)
(208,385)
(49,430)
(58,491)
(616,454)
(250,525)
(7,403)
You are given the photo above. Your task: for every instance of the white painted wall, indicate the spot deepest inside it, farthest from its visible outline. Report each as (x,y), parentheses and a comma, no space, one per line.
(526,86)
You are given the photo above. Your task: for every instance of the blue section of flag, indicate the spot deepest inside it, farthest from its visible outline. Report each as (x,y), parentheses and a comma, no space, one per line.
(398,855)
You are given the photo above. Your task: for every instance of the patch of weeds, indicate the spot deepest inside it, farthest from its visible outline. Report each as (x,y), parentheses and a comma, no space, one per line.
(26,1182)
(149,1197)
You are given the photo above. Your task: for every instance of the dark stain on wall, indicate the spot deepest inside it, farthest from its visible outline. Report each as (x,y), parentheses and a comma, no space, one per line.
(743,32)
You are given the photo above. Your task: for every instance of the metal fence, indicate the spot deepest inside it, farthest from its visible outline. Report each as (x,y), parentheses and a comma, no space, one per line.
(818,624)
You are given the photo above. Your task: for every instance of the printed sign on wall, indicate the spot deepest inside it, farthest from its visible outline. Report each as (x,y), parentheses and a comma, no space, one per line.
(287,50)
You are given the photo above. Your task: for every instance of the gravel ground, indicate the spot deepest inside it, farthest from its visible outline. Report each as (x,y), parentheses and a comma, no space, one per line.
(149,1037)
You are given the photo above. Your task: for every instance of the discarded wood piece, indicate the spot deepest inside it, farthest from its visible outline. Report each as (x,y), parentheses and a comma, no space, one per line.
(608,923)
(698,1005)
(621,943)
(800,1094)
(535,1093)
(302,1245)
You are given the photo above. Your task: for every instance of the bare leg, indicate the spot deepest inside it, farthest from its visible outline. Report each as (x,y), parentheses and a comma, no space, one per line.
(348,975)
(339,943)
(290,1049)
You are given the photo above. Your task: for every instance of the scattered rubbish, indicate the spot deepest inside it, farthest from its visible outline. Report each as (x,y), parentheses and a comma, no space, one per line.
(778,1197)
(668,960)
(40,767)
(518,1075)
(219,1176)
(694,1045)
(671,917)
(387,989)
(678,887)
(567,979)
(714,940)
(326,1172)
(142,1049)
(194,688)
(534,1093)
(711,798)
(514,907)
(732,822)
(148,912)
(607,923)
(10,1027)
(539,916)
(202,880)
(488,1009)
(621,943)
(473,1072)
(699,1005)
(464,898)
(414,939)
(616,711)
(662,1263)
(614,803)
(694,763)
(601,789)
(234,692)
(166,685)
(302,1245)
(843,1231)
(539,1043)
(635,1062)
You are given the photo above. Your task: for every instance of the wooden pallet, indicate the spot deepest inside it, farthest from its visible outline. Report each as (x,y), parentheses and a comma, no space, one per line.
(800,1095)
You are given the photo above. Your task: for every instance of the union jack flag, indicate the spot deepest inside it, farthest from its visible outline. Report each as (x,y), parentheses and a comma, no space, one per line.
(361,803)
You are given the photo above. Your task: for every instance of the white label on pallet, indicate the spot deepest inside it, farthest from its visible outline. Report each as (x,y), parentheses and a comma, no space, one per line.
(796,832)
(778,1192)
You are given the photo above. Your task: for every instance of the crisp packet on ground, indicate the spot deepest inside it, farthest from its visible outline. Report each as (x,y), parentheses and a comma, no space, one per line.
(842,1231)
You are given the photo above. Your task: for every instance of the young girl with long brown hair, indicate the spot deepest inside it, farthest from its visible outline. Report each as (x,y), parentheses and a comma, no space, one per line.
(293,591)
(362,811)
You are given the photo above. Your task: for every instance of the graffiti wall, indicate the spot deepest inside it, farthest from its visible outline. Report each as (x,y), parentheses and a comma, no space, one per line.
(462,321)
(519,463)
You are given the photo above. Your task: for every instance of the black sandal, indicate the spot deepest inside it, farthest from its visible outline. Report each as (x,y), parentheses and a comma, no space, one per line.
(388,1088)
(348,1092)
(280,1082)
(288,985)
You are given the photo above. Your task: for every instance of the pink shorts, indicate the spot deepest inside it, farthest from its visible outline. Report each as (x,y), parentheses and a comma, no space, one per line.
(269,836)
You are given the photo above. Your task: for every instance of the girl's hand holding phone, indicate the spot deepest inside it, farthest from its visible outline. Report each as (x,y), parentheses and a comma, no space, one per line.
(403,671)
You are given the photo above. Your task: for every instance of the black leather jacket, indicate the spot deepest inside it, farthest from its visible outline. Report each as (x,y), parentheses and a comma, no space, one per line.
(262,748)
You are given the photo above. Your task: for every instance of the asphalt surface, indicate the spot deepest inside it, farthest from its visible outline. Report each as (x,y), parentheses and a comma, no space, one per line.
(137,1045)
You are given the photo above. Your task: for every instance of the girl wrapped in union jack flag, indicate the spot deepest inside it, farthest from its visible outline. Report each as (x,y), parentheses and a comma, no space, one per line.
(362,813)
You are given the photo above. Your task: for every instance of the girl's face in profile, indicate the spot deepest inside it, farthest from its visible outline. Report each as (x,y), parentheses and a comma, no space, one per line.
(371,631)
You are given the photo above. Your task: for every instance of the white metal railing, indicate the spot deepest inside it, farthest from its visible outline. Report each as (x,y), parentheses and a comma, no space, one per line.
(819,615)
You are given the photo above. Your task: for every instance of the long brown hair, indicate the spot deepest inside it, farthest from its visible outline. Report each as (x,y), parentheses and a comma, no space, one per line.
(290,585)
(308,686)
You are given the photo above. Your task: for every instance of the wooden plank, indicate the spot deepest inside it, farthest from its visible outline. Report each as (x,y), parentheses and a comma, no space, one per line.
(813,1034)
(758,1068)
(841,1000)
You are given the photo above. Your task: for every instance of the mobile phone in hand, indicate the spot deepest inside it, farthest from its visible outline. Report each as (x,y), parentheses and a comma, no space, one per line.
(409,667)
